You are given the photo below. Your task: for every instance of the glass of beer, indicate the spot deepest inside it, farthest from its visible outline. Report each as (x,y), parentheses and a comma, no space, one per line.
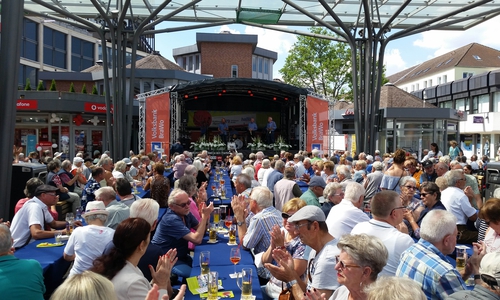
(216,215)
(212,234)
(232,234)
(461,257)
(205,262)
(246,283)
(213,285)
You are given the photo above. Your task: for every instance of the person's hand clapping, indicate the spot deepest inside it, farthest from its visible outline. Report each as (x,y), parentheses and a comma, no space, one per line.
(277,237)
(285,269)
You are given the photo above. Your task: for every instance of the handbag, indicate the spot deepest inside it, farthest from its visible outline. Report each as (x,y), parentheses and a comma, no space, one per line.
(286,294)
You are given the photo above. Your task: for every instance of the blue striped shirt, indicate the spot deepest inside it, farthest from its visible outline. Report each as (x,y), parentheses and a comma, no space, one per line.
(427,266)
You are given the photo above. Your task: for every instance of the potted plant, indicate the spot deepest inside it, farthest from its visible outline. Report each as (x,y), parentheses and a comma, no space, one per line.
(280,144)
(257,144)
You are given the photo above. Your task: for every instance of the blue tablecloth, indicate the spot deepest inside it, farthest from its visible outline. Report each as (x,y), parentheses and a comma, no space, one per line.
(302,185)
(51,259)
(227,185)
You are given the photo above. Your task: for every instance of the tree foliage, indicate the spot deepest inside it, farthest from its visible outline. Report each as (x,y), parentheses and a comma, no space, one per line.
(320,64)
(53,85)
(27,87)
(72,88)
(84,89)
(40,86)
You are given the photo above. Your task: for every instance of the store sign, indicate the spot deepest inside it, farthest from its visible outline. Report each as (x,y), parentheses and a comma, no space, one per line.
(23,104)
(479,120)
(95,107)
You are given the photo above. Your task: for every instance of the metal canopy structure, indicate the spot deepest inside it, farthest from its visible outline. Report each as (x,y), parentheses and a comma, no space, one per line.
(366,25)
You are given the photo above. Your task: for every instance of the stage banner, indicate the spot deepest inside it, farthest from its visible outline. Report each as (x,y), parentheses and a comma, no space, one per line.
(317,122)
(158,123)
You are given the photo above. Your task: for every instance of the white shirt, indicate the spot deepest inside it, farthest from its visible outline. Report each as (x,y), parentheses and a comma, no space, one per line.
(260,175)
(343,217)
(266,175)
(117,174)
(456,202)
(33,212)
(87,243)
(299,169)
(395,241)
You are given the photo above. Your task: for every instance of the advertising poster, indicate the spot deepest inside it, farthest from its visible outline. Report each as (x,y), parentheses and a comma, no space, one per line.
(317,121)
(158,122)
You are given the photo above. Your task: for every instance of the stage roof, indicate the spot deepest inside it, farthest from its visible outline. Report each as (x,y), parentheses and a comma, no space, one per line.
(278,12)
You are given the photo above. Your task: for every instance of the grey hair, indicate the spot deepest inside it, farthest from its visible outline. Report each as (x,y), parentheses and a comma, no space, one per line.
(299,157)
(353,191)
(5,239)
(104,161)
(145,208)
(365,250)
(187,183)
(453,176)
(66,164)
(344,170)
(454,163)
(445,159)
(266,163)
(144,158)
(248,170)
(437,224)
(405,179)
(87,285)
(378,166)
(92,218)
(307,159)
(289,173)
(134,160)
(198,165)
(106,192)
(190,170)
(330,189)
(394,288)
(173,194)
(263,196)
(496,193)
(120,166)
(279,165)
(260,155)
(244,179)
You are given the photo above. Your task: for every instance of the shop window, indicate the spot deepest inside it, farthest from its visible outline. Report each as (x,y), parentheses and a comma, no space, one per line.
(480,104)
(462,104)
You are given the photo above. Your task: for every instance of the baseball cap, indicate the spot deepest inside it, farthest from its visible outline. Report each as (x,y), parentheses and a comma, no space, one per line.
(309,213)
(427,163)
(77,160)
(317,181)
(490,269)
(45,188)
(95,208)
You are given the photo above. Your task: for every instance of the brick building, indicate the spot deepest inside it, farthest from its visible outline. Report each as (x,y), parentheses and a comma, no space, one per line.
(224,55)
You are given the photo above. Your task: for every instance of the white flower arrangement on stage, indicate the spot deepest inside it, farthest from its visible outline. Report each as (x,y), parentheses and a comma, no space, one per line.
(280,144)
(257,144)
(203,144)
(217,143)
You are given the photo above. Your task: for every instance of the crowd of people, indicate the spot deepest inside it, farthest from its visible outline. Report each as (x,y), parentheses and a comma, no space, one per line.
(366,227)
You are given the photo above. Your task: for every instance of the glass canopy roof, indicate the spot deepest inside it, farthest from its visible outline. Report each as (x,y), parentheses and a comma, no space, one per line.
(286,12)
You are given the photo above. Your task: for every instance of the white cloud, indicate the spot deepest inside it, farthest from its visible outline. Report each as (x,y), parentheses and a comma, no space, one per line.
(226,28)
(393,61)
(277,41)
(442,41)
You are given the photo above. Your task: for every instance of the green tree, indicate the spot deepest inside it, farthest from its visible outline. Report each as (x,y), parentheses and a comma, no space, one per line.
(84,89)
(53,85)
(28,85)
(40,86)
(94,90)
(320,64)
(71,88)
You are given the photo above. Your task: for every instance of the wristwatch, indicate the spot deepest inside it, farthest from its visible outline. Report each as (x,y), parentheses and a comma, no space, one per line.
(477,276)
(239,223)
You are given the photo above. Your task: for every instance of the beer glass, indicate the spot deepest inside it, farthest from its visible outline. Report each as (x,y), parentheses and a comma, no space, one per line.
(205,262)
(246,283)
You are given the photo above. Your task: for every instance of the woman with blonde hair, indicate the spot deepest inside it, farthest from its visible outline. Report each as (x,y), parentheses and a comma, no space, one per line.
(85,286)
(236,167)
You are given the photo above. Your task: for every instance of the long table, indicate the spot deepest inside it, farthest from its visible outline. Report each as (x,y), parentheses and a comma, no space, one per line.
(227,186)
(219,261)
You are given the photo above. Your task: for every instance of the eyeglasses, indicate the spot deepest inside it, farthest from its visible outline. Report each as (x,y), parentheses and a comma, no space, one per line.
(425,194)
(343,265)
(183,205)
(463,179)
(285,215)
(297,226)
(400,207)
(410,187)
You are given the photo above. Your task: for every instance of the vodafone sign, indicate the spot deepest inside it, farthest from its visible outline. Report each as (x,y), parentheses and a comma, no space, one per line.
(23,104)
(95,107)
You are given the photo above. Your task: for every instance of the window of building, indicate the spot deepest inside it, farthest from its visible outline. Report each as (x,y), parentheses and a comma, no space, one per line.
(448,61)
(184,63)
(82,54)
(412,87)
(29,44)
(260,65)
(54,48)
(462,104)
(27,72)
(476,57)
(417,86)
(190,63)
(430,82)
(467,74)
(266,66)
(446,104)
(234,71)
(445,78)
(197,63)
(254,64)
(480,104)
(439,80)
(496,101)
(425,84)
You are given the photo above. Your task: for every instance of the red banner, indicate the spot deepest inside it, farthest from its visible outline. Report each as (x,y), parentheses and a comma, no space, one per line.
(96,107)
(23,104)
(158,123)
(317,122)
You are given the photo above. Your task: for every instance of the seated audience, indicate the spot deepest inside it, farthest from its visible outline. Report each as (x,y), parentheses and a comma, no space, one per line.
(316,187)
(29,192)
(117,210)
(19,278)
(86,243)
(394,288)
(85,286)
(490,213)
(333,194)
(159,184)
(124,191)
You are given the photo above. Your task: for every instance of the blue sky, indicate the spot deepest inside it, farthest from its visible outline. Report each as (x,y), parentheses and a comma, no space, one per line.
(400,54)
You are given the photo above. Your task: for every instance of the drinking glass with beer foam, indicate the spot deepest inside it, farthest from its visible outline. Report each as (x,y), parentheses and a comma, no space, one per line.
(246,283)
(461,257)
(205,262)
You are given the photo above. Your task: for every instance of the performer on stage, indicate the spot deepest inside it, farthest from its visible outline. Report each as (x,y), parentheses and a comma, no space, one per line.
(270,128)
(252,127)
(223,128)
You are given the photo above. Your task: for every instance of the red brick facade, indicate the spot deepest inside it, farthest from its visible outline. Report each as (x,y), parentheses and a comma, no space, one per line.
(217,59)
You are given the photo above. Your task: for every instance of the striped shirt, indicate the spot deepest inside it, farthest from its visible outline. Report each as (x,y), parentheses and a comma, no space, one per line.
(427,266)
(258,233)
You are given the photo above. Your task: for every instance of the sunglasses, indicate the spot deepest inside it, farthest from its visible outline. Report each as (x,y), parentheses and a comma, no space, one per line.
(183,205)
(425,194)
(343,265)
(285,215)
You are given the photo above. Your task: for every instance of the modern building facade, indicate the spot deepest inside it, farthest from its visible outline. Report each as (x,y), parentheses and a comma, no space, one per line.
(226,55)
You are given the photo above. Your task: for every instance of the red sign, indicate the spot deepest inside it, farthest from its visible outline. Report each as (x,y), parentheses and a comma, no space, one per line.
(95,107)
(158,122)
(317,122)
(23,104)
